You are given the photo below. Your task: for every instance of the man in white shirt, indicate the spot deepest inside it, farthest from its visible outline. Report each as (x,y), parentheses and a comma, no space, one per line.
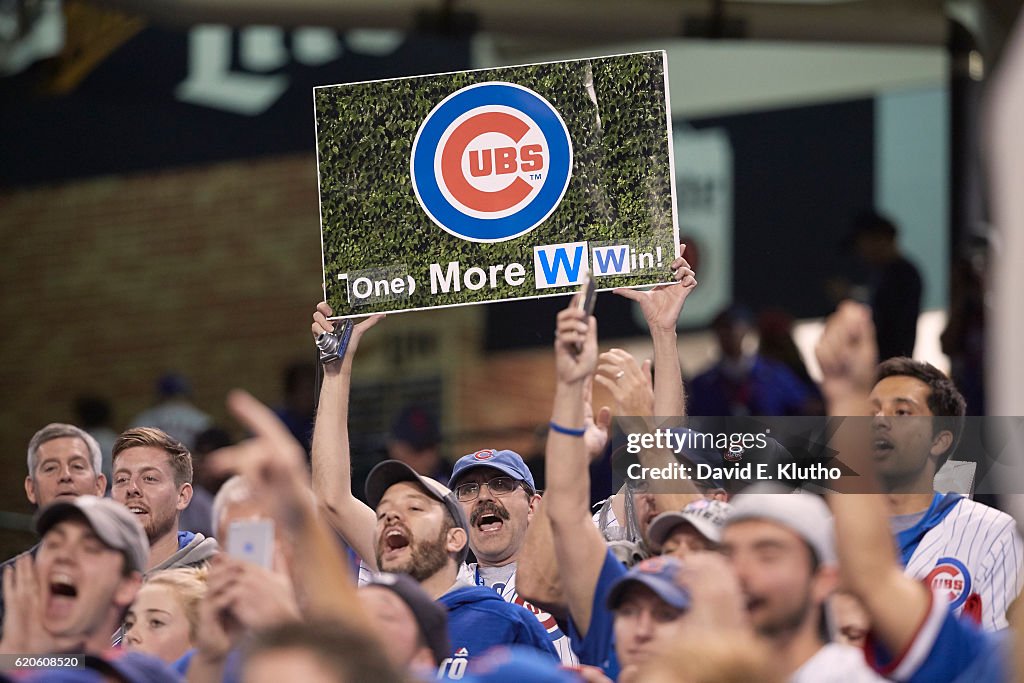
(782,547)
(497,491)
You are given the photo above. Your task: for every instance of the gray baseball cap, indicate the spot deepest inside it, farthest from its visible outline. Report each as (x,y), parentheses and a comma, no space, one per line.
(391,472)
(112,522)
(706,516)
(805,514)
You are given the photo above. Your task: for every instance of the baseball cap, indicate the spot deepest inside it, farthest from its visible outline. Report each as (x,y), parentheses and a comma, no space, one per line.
(431,618)
(515,664)
(509,462)
(656,573)
(805,514)
(111,521)
(417,427)
(391,472)
(706,516)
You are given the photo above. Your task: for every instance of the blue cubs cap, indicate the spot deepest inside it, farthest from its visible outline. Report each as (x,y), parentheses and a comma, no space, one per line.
(658,574)
(509,462)
(515,664)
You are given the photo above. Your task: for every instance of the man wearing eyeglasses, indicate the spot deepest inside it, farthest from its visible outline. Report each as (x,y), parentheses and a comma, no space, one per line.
(498,494)
(413,525)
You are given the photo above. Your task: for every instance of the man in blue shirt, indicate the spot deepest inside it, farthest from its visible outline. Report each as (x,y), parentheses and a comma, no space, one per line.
(421,531)
(594,582)
(413,525)
(742,382)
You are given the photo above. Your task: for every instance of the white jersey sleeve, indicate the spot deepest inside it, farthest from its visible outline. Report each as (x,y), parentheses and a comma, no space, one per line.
(974,557)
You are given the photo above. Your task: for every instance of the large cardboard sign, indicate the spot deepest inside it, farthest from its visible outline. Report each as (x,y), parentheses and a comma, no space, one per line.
(495,184)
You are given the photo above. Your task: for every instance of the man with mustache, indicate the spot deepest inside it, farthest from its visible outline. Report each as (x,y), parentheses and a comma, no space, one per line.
(413,525)
(64,462)
(497,491)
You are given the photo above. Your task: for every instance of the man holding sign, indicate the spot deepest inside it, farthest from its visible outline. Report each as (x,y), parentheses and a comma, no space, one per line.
(416,526)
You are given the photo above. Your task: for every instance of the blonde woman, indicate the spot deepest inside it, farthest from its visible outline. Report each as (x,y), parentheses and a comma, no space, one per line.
(162,621)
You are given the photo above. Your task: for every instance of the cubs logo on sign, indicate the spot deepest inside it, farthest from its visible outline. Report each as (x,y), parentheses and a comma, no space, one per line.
(950,578)
(491,162)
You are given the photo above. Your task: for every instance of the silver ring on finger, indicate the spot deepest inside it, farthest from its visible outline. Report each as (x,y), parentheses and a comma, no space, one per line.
(619,375)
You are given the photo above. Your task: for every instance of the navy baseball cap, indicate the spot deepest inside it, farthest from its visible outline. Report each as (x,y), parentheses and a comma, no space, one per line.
(658,574)
(431,617)
(417,427)
(390,472)
(509,462)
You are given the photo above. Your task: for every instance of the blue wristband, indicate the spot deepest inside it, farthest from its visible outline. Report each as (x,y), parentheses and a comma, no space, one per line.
(565,430)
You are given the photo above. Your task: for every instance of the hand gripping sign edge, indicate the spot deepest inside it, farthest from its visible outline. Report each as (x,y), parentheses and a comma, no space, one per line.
(508,96)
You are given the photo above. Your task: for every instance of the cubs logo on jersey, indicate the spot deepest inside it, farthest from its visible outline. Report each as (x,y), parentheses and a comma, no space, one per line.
(951,579)
(491,162)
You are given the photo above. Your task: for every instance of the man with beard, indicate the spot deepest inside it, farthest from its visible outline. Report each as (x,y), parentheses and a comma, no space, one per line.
(967,550)
(782,548)
(64,462)
(77,590)
(499,496)
(421,531)
(153,479)
(413,525)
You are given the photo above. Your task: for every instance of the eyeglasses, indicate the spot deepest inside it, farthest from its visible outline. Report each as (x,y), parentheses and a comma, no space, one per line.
(499,486)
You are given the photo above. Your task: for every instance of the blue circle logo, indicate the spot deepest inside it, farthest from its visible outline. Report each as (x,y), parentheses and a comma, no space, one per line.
(491,162)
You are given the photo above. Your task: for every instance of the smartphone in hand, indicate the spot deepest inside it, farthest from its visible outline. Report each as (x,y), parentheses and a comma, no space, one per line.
(586,299)
(252,540)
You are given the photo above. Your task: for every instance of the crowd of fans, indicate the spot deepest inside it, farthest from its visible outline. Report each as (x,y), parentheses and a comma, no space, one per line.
(484,577)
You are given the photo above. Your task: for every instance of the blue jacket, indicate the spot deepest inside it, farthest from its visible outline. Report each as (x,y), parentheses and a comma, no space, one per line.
(478,619)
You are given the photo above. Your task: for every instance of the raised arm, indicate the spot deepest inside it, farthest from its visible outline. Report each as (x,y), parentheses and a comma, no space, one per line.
(537,576)
(630,386)
(848,355)
(332,461)
(661,307)
(579,548)
(274,464)
(896,603)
